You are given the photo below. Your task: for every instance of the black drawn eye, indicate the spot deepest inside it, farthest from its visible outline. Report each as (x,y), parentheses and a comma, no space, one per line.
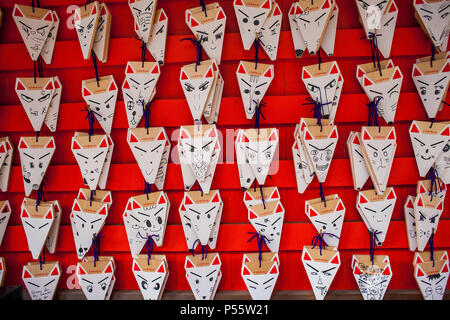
(196,281)
(375,154)
(211,279)
(257,92)
(423,91)
(188,87)
(103,286)
(246,91)
(40,165)
(159,220)
(314,152)
(330,85)
(256,22)
(25,29)
(157,286)
(385,153)
(31,165)
(89,289)
(245,20)
(203,86)
(313,88)
(80,29)
(198,217)
(444,15)
(363,5)
(327,274)
(26,98)
(219,36)
(144,285)
(428,17)
(314,273)
(148,223)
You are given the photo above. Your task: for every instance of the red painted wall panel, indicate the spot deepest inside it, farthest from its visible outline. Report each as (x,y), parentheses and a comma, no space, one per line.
(284,108)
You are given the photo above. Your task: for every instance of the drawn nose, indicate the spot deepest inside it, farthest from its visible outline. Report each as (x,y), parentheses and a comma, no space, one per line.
(426,151)
(320,281)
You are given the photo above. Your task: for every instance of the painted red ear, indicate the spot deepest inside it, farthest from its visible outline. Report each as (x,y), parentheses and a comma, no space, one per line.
(102,211)
(161,199)
(446,67)
(183,208)
(112,86)
(209,74)
(357,270)
(108,269)
(129,69)
(306,256)
(360,72)
(275,194)
(136,267)
(274,269)
(161,268)
(94,10)
(155,69)
(6,208)
(445,268)
(391,135)
(50,144)
(103,11)
(326,4)
(246,259)
(81,195)
(335,260)
(312,212)
(212,133)
(126,85)
(356,140)
(391,195)
(305,74)
(446,132)
(340,206)
(187,200)
(26,274)
(49,215)
(419,272)
(420,203)
(414,128)
(393,7)
(188,264)
(75,145)
(86,92)
(246,271)
(48,16)
(440,206)
(268,73)
(24,214)
(367,82)
(81,270)
(183,134)
(216,261)
(298,10)
(419,259)
(215,198)
(55,271)
(387,271)
(103,143)
(161,136)
(307,135)
(49,86)
(416,72)
(76,17)
(244,138)
(266,4)
(362,199)
(76,207)
(397,74)
(17,12)
(135,204)
(273,136)
(133,138)
(220,15)
(241,69)
(194,22)
(276,12)
(129,208)
(410,204)
(252,215)
(20,86)
(334,70)
(163,16)
(183,75)
(279,208)
(238,3)
(366,136)
(247,196)
(333,134)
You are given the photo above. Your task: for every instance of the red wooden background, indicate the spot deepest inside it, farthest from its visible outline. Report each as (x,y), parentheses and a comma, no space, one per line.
(284,99)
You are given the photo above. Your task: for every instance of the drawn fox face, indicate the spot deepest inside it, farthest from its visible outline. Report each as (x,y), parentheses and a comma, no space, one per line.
(435,17)
(96,286)
(253,84)
(34,25)
(251,17)
(428,213)
(268,222)
(157,44)
(203,278)
(151,283)
(143,12)
(260,286)
(86,20)
(41,287)
(432,284)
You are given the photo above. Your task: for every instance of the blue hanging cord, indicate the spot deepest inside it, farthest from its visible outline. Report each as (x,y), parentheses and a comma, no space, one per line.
(373,113)
(260,241)
(435,182)
(90,116)
(202,4)
(319,240)
(147,189)
(372,242)
(96,247)
(259,114)
(42,258)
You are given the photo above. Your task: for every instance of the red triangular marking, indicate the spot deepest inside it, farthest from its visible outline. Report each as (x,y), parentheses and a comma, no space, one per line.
(162,17)
(393,8)
(340,207)
(220,15)
(333,134)
(188,201)
(6,209)
(414,128)
(130,69)
(112,87)
(334,70)
(2,149)
(397,75)
(104,144)
(253,215)
(273,270)
(391,135)
(366,136)
(367,82)
(273,137)
(162,200)
(126,85)
(420,203)
(103,11)
(108,269)
(107,198)
(277,11)
(410,204)
(215,198)
(308,135)
(360,73)
(23,145)
(50,144)
(420,273)
(155,69)
(24,214)
(248,197)
(49,215)
(161,269)
(266,5)
(161,136)
(357,270)
(49,86)
(129,206)
(194,23)
(76,207)
(55,272)
(133,138)
(356,140)
(387,271)
(362,199)
(209,74)
(189,264)
(391,195)
(86,92)
(49,17)
(416,72)
(216,261)
(307,257)
(17,13)
(445,269)
(326,5)
(275,194)
(306,75)
(183,75)
(136,267)
(446,132)
(268,73)
(279,208)
(102,211)
(446,68)
(313,213)
(439,207)
(20,86)
(335,260)
(94,10)
(27,274)
(241,69)
(246,272)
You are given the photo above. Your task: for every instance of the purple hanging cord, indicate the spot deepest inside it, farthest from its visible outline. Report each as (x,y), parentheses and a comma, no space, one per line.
(192,250)
(317,109)
(202,4)
(319,58)
(259,114)
(143,50)
(201,190)
(372,242)
(40,195)
(42,258)
(90,116)
(374,48)
(91,197)
(435,184)
(260,241)
(198,48)
(146,113)
(149,245)
(322,195)
(373,112)
(96,247)
(318,240)
(147,189)
(431,243)
(262,196)
(433,51)
(94,62)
